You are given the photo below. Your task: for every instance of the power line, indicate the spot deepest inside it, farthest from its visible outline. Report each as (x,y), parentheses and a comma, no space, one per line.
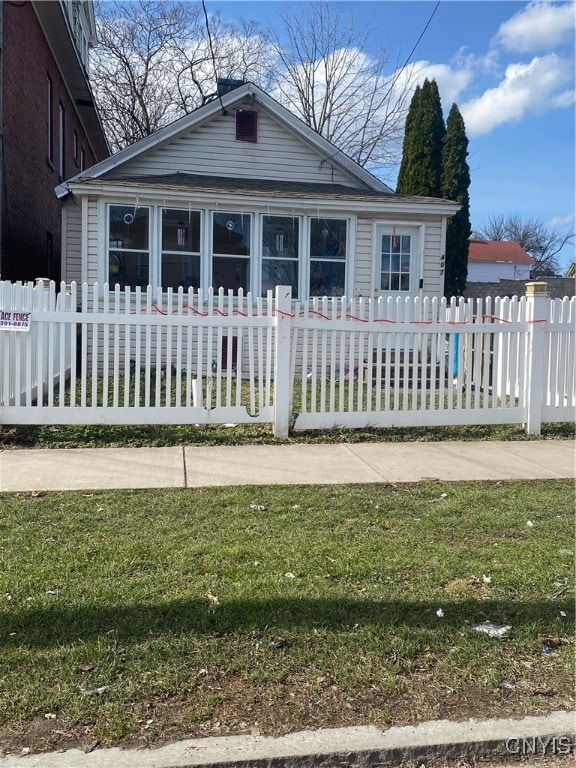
(421,35)
(224,112)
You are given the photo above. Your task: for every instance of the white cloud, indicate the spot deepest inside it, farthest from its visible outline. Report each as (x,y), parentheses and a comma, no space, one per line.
(562,221)
(541,25)
(531,88)
(451,80)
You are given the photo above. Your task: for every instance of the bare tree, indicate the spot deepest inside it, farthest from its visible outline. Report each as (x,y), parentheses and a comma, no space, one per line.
(154,64)
(542,242)
(325,76)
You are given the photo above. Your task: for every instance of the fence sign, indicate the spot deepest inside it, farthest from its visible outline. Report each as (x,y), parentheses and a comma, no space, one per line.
(13,320)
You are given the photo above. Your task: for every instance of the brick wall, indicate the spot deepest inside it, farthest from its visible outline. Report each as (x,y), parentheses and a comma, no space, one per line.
(558,287)
(31,212)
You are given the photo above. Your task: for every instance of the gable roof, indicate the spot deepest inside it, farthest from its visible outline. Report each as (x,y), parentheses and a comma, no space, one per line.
(205,113)
(494,251)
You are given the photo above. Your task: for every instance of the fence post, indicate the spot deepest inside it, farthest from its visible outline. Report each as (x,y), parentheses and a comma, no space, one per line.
(283,307)
(536,311)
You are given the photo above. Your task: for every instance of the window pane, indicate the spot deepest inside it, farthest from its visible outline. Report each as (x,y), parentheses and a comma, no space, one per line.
(394,282)
(230,273)
(385,281)
(280,237)
(405,282)
(405,263)
(180,270)
(128,268)
(279,272)
(328,238)
(405,243)
(327,278)
(231,234)
(128,227)
(181,231)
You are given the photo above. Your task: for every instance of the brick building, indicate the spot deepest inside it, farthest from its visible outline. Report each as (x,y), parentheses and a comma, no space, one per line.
(50,127)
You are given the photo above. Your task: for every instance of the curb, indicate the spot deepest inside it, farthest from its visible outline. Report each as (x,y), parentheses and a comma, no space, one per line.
(552,735)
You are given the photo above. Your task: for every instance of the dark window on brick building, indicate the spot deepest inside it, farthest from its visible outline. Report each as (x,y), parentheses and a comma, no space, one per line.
(49,123)
(246,125)
(61,141)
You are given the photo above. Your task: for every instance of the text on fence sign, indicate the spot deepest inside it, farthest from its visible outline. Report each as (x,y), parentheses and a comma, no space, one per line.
(11,320)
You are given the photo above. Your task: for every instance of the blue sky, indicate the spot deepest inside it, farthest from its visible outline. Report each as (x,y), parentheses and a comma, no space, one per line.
(510,68)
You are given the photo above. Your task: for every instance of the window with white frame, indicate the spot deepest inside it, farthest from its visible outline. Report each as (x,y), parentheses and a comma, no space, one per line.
(231,250)
(396,261)
(280,252)
(180,247)
(180,258)
(327,245)
(128,245)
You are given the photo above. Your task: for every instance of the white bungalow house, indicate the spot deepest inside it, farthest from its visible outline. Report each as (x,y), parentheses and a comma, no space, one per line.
(242,194)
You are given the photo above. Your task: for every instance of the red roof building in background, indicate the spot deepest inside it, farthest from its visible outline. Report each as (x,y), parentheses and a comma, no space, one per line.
(492,260)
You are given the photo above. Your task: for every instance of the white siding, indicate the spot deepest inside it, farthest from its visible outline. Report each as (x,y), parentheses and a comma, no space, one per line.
(433,253)
(491,272)
(93,249)
(363,266)
(72,242)
(212,149)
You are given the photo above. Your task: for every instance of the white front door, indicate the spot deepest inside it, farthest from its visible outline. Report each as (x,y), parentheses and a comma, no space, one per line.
(397,267)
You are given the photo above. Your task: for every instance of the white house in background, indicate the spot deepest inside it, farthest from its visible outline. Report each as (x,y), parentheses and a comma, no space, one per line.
(241,194)
(492,260)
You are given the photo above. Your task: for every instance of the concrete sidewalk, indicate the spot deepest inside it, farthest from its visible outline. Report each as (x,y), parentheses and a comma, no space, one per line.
(437,740)
(194,467)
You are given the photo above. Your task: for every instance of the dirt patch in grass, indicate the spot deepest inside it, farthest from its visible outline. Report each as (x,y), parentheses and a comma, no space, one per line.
(299,704)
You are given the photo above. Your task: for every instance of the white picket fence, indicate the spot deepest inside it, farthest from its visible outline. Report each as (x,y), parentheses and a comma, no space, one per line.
(91,356)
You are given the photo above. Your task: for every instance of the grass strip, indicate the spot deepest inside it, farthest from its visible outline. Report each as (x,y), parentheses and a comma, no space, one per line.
(136,617)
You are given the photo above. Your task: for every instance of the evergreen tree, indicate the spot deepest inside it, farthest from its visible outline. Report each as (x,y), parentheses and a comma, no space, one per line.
(412,121)
(421,167)
(455,183)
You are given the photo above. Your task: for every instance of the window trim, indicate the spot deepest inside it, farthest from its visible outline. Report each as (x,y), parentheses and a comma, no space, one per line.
(156,269)
(259,263)
(250,257)
(152,276)
(348,260)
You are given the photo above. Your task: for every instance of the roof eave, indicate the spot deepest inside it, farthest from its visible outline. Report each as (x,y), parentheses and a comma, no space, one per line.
(387,204)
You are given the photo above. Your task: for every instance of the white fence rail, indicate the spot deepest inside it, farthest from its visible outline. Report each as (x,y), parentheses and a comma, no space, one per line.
(152,357)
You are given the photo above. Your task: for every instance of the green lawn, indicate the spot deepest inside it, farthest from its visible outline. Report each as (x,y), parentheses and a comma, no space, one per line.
(134,617)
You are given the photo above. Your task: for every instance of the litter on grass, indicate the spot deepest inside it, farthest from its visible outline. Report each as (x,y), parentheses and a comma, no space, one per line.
(493,630)
(440,613)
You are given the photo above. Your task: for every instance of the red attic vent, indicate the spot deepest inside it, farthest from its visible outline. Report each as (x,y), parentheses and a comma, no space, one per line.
(246,125)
